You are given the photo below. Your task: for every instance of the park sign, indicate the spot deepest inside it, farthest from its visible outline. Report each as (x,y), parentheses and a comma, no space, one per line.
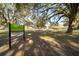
(14,27)
(18,25)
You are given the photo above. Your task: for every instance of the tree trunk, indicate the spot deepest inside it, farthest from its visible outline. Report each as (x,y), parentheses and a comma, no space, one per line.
(9,36)
(70,29)
(74,7)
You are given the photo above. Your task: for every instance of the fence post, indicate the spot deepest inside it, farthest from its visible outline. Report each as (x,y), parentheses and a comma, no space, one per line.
(24,32)
(9,35)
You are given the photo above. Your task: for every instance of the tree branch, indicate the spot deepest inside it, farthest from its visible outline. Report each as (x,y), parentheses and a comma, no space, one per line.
(55,15)
(60,18)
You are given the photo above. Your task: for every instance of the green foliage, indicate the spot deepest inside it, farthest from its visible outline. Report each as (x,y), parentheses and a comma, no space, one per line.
(28,23)
(40,23)
(2,20)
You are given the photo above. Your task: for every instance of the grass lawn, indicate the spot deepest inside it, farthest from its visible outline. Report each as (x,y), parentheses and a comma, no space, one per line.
(3,35)
(46,42)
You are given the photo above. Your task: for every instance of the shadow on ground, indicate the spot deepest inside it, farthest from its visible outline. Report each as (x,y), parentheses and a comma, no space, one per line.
(42,43)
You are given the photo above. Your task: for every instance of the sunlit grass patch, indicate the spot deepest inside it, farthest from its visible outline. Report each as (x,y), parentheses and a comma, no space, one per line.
(76,32)
(73,43)
(4,48)
(9,53)
(47,38)
(3,35)
(50,40)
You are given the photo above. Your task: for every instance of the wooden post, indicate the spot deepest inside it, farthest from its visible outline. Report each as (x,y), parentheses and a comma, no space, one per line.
(24,32)
(9,35)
